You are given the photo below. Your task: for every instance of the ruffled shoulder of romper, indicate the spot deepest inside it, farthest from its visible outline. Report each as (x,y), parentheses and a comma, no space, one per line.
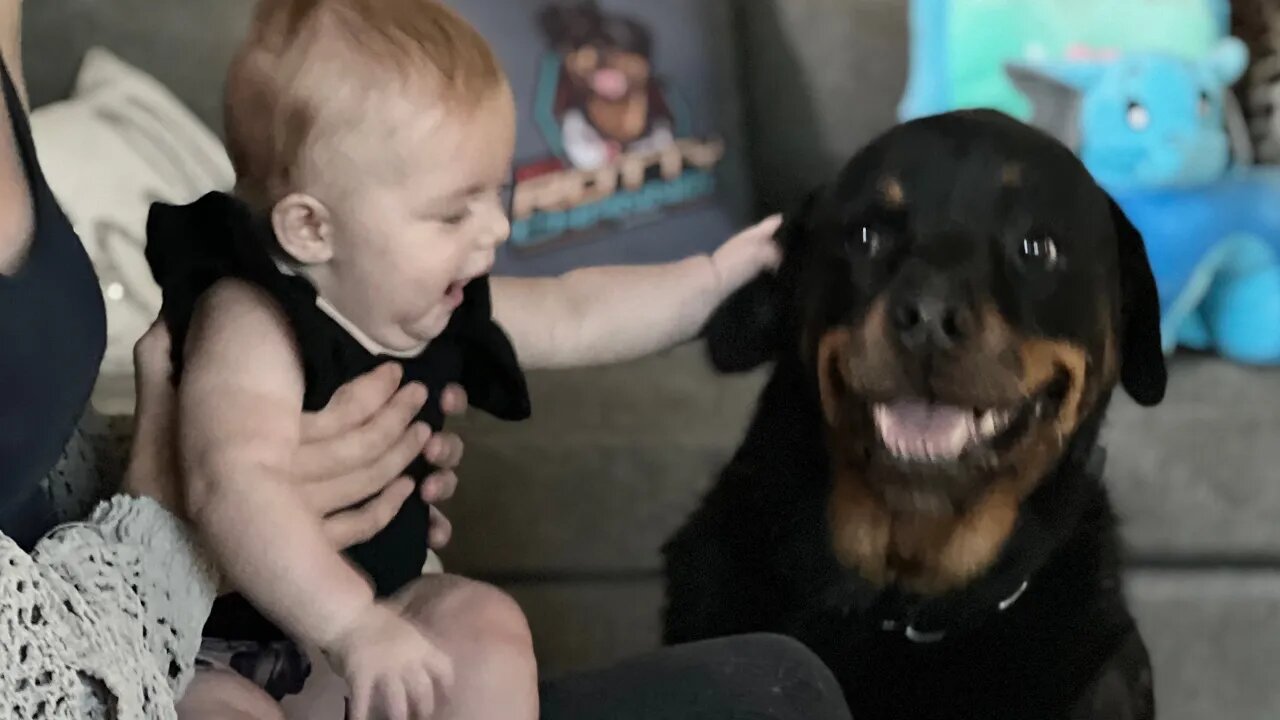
(190,247)
(491,371)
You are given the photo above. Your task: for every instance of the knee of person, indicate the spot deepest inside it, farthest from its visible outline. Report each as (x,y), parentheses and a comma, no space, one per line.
(485,632)
(485,615)
(783,648)
(811,689)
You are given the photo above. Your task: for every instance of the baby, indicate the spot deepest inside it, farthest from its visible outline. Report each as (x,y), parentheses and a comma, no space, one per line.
(373,142)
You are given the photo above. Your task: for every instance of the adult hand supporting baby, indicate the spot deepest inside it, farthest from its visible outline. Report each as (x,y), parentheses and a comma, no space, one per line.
(354,449)
(359,444)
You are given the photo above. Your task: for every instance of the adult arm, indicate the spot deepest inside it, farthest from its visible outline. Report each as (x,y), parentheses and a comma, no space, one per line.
(17,217)
(11,42)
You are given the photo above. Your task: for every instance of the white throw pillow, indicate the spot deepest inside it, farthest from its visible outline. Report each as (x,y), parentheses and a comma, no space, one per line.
(121,142)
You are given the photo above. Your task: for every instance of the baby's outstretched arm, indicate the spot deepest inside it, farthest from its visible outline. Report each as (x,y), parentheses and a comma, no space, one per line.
(240,405)
(601,315)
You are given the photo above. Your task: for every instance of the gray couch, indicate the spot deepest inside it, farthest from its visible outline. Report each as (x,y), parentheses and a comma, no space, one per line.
(567,510)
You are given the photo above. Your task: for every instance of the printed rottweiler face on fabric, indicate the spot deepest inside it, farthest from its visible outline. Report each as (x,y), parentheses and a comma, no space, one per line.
(606,83)
(618,150)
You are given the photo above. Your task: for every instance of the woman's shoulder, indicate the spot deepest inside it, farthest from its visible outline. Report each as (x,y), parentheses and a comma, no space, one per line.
(18,227)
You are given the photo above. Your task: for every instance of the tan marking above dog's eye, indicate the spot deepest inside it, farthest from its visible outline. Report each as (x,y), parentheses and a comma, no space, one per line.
(1011,175)
(891,191)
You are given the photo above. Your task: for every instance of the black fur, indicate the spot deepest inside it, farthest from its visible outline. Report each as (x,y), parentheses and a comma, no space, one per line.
(757,555)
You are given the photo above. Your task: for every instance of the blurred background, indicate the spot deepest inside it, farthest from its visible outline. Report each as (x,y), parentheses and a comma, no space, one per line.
(1171,103)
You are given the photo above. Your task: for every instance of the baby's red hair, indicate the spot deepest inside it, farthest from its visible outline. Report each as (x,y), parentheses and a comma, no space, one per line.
(312,70)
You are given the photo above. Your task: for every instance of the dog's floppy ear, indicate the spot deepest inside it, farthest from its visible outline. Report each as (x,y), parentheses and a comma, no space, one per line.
(1142,368)
(750,326)
(742,333)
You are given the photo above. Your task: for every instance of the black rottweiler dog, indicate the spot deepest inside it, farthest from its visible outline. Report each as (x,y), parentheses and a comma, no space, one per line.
(919,497)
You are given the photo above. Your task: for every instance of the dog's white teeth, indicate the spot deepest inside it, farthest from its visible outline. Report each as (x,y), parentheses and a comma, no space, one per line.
(918,432)
(987,424)
(991,423)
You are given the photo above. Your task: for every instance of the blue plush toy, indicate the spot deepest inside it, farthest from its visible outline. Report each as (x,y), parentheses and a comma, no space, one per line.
(959,47)
(1150,128)
(1215,252)
(1142,120)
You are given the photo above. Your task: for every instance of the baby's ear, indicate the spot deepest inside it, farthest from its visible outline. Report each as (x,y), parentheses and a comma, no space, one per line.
(303,229)
(751,326)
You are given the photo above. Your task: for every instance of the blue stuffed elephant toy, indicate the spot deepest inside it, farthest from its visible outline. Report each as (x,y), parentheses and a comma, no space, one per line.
(1151,129)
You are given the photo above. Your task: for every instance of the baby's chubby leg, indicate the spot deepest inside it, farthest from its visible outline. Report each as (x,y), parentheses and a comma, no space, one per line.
(477,626)
(224,695)
(486,635)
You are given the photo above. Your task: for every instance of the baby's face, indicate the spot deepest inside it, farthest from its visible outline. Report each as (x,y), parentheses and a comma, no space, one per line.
(406,243)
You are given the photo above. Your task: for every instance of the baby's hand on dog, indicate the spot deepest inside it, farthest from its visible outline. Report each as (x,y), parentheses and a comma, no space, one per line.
(747,254)
(392,669)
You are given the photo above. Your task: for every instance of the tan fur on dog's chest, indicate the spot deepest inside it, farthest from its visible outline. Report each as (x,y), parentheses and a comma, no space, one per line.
(925,553)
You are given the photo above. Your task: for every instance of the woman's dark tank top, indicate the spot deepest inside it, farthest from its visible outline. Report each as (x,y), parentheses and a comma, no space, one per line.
(53,333)
(193,246)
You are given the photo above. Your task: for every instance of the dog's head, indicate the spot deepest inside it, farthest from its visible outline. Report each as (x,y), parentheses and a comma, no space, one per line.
(964,297)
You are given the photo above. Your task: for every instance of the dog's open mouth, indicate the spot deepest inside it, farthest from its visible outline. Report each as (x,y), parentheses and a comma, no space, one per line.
(917,431)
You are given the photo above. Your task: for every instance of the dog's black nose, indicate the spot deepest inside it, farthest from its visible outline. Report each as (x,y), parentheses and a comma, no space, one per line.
(930,318)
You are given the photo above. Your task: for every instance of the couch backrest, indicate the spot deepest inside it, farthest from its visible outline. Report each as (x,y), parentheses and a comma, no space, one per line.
(821,77)
(186,44)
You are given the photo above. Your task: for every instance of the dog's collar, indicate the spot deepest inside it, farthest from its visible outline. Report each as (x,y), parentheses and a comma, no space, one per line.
(931,620)
(911,631)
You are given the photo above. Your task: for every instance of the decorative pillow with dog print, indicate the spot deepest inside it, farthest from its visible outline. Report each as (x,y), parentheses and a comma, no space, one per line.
(121,141)
(627,147)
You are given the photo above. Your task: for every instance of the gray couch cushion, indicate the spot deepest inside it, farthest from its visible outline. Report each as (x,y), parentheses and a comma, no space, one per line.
(186,44)
(1200,474)
(1212,635)
(822,77)
(636,446)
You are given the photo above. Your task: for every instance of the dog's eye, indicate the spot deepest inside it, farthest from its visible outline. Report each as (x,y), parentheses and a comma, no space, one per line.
(1138,117)
(867,241)
(1040,250)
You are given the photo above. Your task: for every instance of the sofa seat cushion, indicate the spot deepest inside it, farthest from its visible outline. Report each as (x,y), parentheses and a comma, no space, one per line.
(614,459)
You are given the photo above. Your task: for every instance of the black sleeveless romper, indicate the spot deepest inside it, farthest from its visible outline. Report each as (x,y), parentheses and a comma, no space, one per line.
(190,247)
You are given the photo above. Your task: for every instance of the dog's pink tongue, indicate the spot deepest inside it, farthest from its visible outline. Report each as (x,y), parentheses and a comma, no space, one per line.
(918,428)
